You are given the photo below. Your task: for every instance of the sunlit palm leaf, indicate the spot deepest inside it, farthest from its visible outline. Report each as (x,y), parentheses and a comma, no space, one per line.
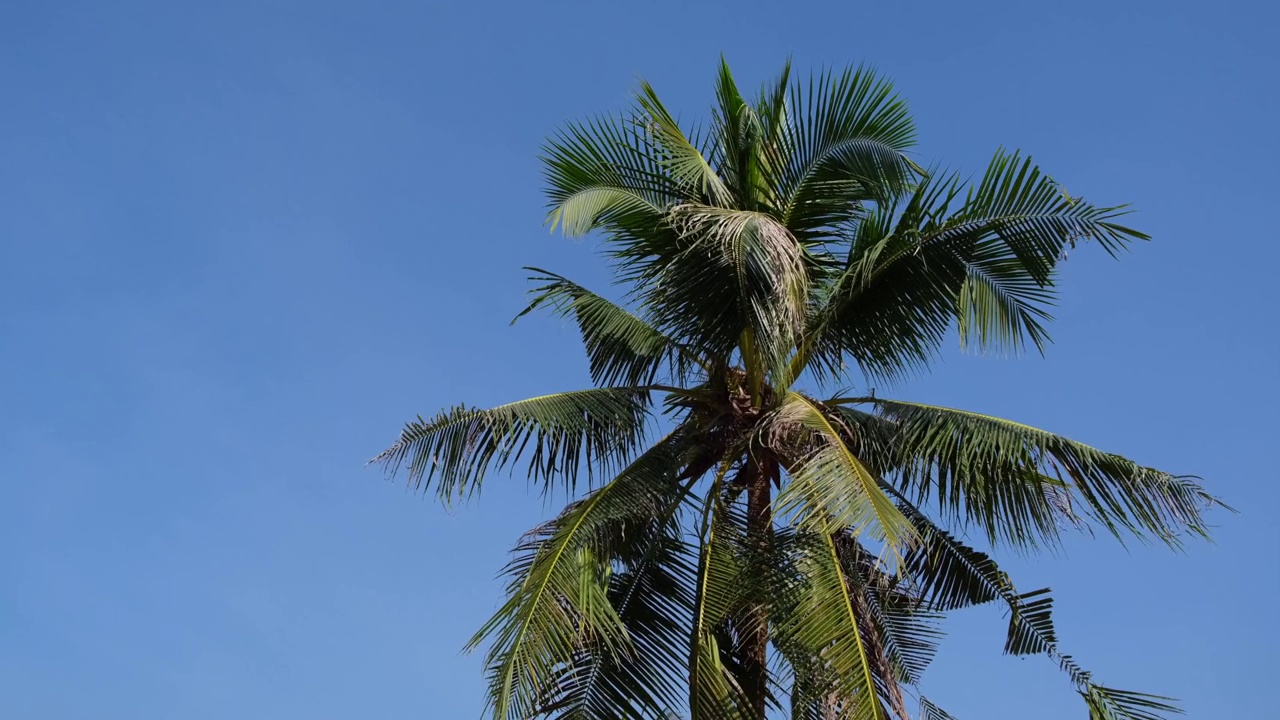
(898,636)
(591,207)
(602,174)
(887,628)
(905,631)
(832,487)
(822,630)
(679,155)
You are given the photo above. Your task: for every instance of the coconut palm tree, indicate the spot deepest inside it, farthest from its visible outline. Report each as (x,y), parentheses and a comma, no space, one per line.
(746,537)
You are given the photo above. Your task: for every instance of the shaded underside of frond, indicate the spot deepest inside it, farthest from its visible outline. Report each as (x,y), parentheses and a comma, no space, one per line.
(950,575)
(594,597)
(590,430)
(1021,484)
(980,260)
(622,347)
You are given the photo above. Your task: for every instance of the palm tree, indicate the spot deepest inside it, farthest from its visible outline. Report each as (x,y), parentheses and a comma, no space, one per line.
(747,537)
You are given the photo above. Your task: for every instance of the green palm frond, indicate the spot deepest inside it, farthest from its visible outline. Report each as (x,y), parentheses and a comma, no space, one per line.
(952,575)
(621,347)
(1000,305)
(602,173)
(822,630)
(949,574)
(560,601)
(906,631)
(1110,704)
(739,132)
(592,430)
(898,635)
(589,207)
(1037,217)
(740,266)
(930,711)
(560,605)
(679,155)
(1012,480)
(917,267)
(831,486)
(653,595)
(774,146)
(846,147)
(714,692)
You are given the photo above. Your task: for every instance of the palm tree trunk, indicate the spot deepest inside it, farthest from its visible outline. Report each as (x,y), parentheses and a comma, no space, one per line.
(756,631)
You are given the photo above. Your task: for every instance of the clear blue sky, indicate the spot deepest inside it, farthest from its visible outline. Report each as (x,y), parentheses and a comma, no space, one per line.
(240,242)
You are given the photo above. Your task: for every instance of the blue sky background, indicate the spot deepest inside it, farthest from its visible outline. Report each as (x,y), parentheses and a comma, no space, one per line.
(241,242)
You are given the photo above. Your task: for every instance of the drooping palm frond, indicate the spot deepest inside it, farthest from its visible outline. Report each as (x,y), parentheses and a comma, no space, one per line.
(742,272)
(822,632)
(560,603)
(1000,305)
(585,429)
(602,173)
(906,630)
(952,575)
(621,347)
(898,635)
(652,592)
(831,487)
(1012,480)
(930,711)
(715,693)
(1110,704)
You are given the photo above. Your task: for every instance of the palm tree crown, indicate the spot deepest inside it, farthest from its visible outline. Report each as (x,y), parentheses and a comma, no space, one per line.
(784,544)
